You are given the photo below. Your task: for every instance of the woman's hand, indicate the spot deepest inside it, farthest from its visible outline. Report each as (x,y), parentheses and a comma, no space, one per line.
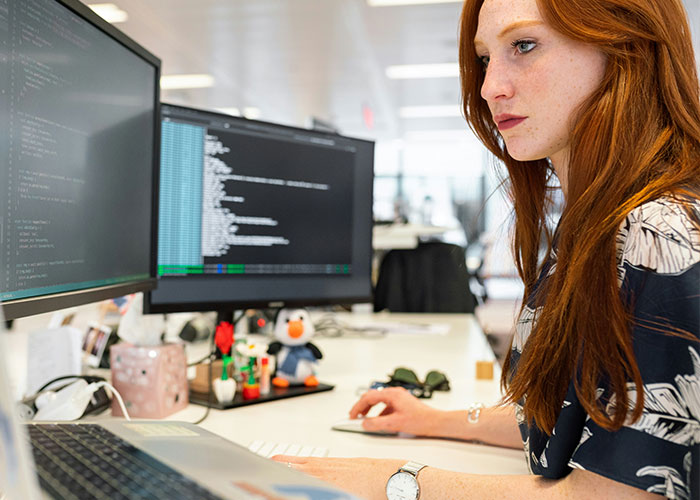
(403,413)
(364,477)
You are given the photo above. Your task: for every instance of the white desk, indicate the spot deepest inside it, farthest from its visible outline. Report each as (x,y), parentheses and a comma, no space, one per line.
(350,363)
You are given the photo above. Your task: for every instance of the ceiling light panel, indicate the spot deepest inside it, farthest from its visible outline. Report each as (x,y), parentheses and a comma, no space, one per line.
(252,113)
(411,71)
(194,81)
(392,3)
(464,134)
(230,111)
(109,12)
(430,111)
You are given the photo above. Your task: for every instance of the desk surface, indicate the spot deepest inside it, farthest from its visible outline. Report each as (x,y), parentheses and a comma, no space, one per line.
(388,237)
(351,363)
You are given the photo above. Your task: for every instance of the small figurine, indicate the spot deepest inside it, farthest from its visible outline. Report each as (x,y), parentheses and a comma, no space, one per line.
(296,356)
(251,387)
(224,387)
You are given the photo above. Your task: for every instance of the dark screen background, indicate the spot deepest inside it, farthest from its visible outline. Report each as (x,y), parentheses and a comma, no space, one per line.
(76,151)
(317,223)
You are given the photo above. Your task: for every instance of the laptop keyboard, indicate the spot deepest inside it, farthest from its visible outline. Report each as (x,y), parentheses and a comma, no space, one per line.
(269,449)
(87,461)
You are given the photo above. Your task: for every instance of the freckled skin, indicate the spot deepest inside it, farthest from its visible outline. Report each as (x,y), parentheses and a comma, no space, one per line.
(546,84)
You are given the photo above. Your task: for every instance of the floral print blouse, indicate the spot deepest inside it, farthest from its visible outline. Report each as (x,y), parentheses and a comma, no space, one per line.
(658,250)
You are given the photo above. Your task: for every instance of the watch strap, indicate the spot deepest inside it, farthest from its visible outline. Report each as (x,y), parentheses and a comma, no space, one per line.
(412,468)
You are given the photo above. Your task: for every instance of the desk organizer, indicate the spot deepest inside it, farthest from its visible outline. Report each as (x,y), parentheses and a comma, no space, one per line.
(152,380)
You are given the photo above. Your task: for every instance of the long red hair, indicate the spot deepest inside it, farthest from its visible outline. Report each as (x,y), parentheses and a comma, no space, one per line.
(636,138)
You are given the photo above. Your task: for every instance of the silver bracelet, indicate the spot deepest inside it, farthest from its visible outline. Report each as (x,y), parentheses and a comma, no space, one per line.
(473,412)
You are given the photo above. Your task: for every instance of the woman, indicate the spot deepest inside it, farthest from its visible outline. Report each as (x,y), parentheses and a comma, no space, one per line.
(603,94)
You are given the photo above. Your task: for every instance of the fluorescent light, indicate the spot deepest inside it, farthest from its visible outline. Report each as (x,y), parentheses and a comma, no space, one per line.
(405,71)
(109,12)
(252,113)
(249,112)
(439,135)
(385,3)
(430,111)
(230,111)
(171,82)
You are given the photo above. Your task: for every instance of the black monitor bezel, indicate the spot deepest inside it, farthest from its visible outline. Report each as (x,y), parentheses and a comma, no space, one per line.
(30,306)
(162,308)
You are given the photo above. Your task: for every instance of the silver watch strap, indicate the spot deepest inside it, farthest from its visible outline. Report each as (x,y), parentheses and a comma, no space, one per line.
(412,468)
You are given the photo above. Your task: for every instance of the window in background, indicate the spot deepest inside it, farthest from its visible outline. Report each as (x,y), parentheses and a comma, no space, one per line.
(386,199)
(450,183)
(431,182)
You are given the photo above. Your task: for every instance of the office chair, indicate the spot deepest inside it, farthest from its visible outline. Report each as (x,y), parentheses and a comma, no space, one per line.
(430,278)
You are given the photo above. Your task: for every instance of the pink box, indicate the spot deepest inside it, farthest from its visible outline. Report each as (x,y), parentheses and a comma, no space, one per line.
(151,380)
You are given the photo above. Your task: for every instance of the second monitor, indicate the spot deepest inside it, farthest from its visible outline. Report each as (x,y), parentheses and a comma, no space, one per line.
(254,214)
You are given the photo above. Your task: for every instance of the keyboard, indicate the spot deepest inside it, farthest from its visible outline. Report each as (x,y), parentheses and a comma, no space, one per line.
(269,449)
(87,461)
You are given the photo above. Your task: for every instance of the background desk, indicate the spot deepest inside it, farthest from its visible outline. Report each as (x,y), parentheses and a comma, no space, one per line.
(351,363)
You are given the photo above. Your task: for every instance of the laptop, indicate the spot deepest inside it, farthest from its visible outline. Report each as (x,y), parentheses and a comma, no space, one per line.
(137,459)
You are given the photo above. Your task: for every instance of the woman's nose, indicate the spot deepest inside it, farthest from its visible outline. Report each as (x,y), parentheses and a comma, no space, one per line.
(497,83)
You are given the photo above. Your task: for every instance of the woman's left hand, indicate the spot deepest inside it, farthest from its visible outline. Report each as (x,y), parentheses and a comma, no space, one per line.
(364,477)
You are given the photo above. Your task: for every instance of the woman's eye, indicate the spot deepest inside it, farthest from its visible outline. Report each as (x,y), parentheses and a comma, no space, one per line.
(523,46)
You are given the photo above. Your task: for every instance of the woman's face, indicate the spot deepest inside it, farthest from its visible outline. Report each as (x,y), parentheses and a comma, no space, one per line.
(535,78)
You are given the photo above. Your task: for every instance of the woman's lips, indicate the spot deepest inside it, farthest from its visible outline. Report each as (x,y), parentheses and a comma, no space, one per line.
(506,122)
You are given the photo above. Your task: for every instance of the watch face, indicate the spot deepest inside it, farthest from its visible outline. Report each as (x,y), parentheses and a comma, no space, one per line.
(402,486)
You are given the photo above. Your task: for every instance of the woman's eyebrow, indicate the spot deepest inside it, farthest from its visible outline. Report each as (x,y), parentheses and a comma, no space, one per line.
(512,27)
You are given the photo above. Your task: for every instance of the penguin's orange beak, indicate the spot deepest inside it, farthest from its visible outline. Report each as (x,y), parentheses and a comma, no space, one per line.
(295,329)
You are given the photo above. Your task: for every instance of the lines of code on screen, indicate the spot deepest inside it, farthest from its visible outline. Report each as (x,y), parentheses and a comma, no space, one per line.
(234,201)
(76,153)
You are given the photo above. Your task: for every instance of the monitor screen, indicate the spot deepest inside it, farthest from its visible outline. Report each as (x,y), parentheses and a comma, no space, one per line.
(254,214)
(79,131)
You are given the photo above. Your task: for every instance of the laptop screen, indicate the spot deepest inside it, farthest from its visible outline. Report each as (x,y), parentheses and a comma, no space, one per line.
(17,475)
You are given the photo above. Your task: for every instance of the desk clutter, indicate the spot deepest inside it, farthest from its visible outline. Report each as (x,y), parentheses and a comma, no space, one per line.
(250,373)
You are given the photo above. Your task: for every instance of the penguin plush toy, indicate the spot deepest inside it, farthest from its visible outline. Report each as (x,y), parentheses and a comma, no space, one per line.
(296,356)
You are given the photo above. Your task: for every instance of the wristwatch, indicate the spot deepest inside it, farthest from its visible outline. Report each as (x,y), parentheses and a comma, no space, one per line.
(403,484)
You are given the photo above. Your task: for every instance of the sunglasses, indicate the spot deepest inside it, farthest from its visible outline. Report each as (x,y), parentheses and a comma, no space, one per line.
(405,377)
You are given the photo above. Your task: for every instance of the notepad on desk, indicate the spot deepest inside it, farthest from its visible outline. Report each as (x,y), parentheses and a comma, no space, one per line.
(405,328)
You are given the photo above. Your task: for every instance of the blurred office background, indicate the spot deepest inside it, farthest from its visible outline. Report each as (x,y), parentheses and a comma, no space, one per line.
(379,69)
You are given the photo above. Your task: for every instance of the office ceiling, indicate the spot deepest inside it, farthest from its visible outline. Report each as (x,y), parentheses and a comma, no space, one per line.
(293,59)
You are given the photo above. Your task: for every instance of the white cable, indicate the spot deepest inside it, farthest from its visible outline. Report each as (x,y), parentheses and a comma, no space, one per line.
(116,394)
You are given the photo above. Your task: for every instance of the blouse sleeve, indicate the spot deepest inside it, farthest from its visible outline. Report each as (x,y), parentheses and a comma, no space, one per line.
(660,274)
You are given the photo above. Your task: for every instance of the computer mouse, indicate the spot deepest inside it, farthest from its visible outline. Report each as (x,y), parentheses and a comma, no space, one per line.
(355,425)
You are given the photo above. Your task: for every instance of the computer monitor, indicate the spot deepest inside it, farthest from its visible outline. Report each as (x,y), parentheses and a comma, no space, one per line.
(260,215)
(79,132)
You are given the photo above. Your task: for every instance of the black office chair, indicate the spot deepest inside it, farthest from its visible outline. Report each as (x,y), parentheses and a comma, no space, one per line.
(430,278)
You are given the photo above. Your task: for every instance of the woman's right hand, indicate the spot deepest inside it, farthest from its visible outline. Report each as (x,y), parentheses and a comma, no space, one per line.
(403,413)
